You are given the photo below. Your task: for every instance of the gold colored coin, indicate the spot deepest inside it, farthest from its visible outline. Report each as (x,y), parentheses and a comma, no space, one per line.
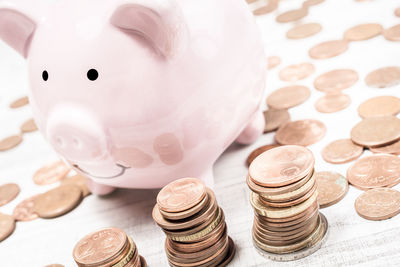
(10,142)
(329,49)
(383,77)
(8,192)
(288,97)
(292,15)
(274,118)
(331,103)
(304,30)
(379,106)
(29,126)
(7,226)
(392,33)
(336,80)
(20,102)
(363,32)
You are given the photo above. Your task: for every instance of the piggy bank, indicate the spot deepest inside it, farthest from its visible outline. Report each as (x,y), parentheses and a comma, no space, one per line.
(136,94)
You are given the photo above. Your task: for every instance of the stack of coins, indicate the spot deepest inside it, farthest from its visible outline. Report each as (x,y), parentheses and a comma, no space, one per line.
(107,247)
(287,224)
(197,235)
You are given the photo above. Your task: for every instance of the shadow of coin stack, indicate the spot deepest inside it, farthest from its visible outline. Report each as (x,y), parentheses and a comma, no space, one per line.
(188,213)
(287,224)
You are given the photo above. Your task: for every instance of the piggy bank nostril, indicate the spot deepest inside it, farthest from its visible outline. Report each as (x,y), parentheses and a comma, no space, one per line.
(59,141)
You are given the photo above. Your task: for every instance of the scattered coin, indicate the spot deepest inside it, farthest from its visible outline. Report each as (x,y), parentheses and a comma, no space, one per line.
(51,173)
(292,15)
(258,152)
(270,6)
(383,77)
(328,49)
(29,126)
(379,106)
(274,118)
(7,226)
(363,32)
(57,201)
(332,103)
(392,33)
(376,131)
(288,97)
(251,1)
(341,151)
(309,3)
(273,62)
(336,80)
(378,204)
(331,186)
(54,265)
(388,149)
(301,132)
(10,142)
(296,72)
(24,211)
(304,30)
(8,192)
(20,102)
(375,171)
(79,181)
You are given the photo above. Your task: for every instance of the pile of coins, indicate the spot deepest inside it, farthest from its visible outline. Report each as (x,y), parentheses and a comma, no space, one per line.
(287,224)
(197,234)
(107,247)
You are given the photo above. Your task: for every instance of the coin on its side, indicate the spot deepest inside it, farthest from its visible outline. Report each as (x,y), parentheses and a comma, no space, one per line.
(331,103)
(378,204)
(336,80)
(288,97)
(259,151)
(363,32)
(273,61)
(8,192)
(10,142)
(24,211)
(29,126)
(301,132)
(20,102)
(331,187)
(296,72)
(303,30)
(274,118)
(383,77)
(341,151)
(328,49)
(392,33)
(7,226)
(379,106)
(292,15)
(51,173)
(388,149)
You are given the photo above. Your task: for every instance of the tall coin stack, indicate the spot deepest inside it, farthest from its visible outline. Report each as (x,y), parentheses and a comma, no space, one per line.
(107,247)
(197,235)
(287,224)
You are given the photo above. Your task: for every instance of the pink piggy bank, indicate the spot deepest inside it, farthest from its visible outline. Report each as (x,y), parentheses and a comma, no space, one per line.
(136,94)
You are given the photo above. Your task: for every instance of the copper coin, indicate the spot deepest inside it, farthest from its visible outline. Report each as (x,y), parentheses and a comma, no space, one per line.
(229,256)
(181,195)
(20,102)
(374,171)
(288,97)
(383,77)
(8,192)
(378,204)
(331,103)
(341,151)
(274,118)
(303,30)
(296,72)
(397,12)
(257,152)
(273,62)
(29,126)
(392,33)
(10,142)
(376,131)
(57,201)
(388,149)
(251,1)
(363,32)
(79,181)
(336,80)
(332,187)
(51,173)
(302,132)
(379,106)
(270,6)
(54,265)
(281,166)
(100,246)
(24,211)
(7,226)
(174,216)
(328,49)
(309,3)
(292,15)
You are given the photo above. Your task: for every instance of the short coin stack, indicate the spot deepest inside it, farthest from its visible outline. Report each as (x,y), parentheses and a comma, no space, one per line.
(197,235)
(287,224)
(107,247)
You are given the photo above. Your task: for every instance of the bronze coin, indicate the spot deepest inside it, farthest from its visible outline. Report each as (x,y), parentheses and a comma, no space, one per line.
(29,126)
(51,173)
(379,106)
(7,226)
(303,30)
(258,151)
(309,3)
(328,49)
(24,211)
(331,186)
(10,142)
(376,131)
(383,77)
(392,33)
(288,97)
(20,102)
(273,62)
(270,6)
(378,204)
(375,171)
(274,118)
(79,181)
(186,213)
(292,15)
(331,103)
(363,32)
(341,151)
(301,132)
(142,262)
(296,72)
(231,253)
(388,149)
(57,201)
(336,80)
(8,192)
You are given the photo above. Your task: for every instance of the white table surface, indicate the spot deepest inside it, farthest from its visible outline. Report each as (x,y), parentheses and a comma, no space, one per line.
(352,240)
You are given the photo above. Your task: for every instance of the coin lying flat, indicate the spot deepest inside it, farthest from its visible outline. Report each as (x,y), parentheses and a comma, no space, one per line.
(392,33)
(309,3)
(383,77)
(51,173)
(288,97)
(79,181)
(328,49)
(331,186)
(375,171)
(7,226)
(378,204)
(379,106)
(303,30)
(270,6)
(301,132)
(388,149)
(363,32)
(20,102)
(8,192)
(24,211)
(376,131)
(332,103)
(29,126)
(258,151)
(273,62)
(336,80)
(341,151)
(292,15)
(10,142)
(274,118)
(296,72)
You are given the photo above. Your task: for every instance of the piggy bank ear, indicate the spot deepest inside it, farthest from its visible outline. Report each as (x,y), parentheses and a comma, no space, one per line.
(16,29)
(156,27)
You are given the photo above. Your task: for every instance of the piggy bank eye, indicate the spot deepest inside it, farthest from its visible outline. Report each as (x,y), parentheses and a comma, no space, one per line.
(92,74)
(45,75)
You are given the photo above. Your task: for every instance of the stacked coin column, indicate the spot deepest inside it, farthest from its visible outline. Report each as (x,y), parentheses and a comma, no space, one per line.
(287,223)
(188,213)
